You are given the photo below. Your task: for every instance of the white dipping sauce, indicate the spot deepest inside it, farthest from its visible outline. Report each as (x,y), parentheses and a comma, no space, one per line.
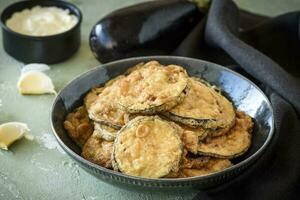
(42,21)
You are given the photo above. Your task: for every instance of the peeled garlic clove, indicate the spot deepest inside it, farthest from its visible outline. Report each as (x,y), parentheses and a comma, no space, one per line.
(35,82)
(10,132)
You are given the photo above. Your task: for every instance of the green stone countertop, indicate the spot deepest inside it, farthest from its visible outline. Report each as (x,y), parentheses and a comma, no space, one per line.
(39,169)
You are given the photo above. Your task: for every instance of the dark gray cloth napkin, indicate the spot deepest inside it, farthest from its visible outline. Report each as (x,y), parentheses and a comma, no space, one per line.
(267,51)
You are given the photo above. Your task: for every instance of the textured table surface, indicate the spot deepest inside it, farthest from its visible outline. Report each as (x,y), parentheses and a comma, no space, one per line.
(39,169)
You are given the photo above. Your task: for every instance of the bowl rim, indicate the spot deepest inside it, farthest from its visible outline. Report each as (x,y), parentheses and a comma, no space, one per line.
(244,162)
(69,6)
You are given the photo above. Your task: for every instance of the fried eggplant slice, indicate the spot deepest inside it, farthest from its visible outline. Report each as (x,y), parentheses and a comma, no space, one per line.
(153,88)
(78,125)
(219,132)
(136,67)
(195,163)
(213,165)
(91,96)
(199,166)
(105,132)
(189,163)
(98,151)
(148,147)
(190,141)
(105,110)
(192,161)
(191,138)
(203,107)
(233,144)
(201,133)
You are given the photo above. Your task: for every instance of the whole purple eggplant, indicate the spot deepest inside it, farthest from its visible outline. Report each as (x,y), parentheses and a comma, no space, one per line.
(150,28)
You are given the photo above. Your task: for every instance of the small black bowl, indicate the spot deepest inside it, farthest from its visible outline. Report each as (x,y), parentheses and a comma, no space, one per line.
(41,49)
(244,94)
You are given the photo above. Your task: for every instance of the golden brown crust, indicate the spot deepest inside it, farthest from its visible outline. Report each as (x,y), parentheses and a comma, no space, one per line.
(203,107)
(200,166)
(212,166)
(147,147)
(220,131)
(136,67)
(227,116)
(189,136)
(105,110)
(153,88)
(192,162)
(78,125)
(98,151)
(233,144)
(200,132)
(105,132)
(91,96)
(190,141)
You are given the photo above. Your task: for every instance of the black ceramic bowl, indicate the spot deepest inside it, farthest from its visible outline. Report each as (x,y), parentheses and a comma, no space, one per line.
(40,49)
(245,95)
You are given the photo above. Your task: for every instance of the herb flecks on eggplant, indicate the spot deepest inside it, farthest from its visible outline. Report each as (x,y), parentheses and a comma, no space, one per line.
(150,28)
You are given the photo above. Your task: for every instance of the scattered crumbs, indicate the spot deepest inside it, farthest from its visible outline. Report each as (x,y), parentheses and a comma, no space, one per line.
(8,189)
(65,163)
(49,141)
(40,165)
(69,164)
(74,169)
(76,173)
(40,161)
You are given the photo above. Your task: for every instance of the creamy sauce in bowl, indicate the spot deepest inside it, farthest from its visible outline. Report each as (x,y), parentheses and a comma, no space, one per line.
(42,21)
